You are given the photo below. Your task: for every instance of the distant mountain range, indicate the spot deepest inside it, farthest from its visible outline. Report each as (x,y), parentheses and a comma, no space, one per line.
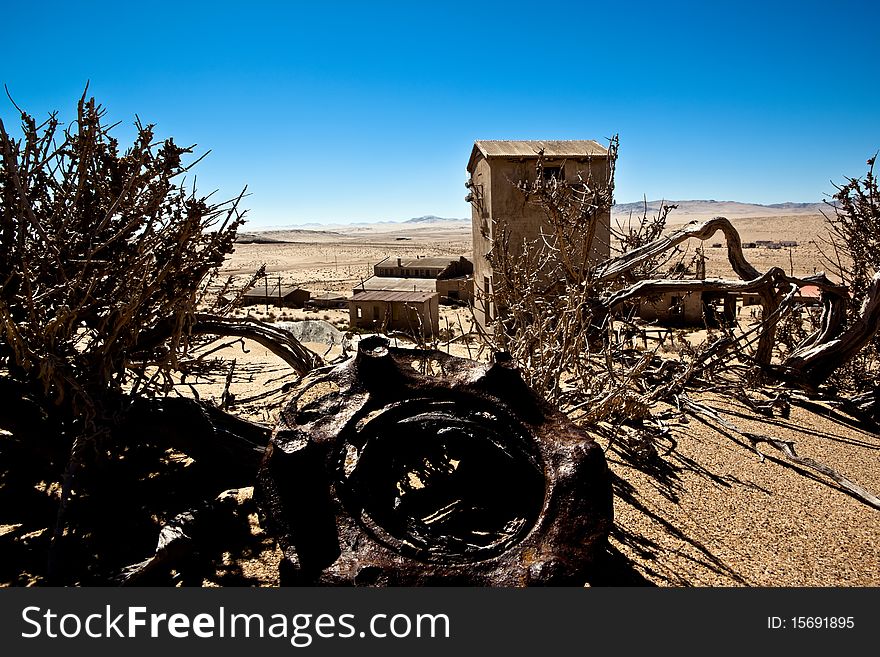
(430,219)
(686,211)
(708,208)
(728,209)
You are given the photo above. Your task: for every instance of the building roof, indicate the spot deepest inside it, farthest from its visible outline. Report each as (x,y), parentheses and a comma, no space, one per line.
(391,295)
(553,149)
(397,284)
(415,263)
(259,290)
(810,291)
(430,262)
(329,295)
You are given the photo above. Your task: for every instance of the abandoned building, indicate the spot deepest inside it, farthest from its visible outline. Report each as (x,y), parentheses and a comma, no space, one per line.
(451,278)
(328,299)
(414,313)
(460,288)
(276,295)
(395,284)
(439,267)
(494,168)
(689,309)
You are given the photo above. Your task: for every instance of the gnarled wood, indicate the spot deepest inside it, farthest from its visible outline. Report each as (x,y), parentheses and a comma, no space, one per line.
(816,362)
(612,269)
(660,286)
(281,343)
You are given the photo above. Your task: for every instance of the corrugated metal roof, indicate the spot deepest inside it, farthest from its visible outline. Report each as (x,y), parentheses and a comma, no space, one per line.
(390,295)
(529,148)
(259,290)
(397,284)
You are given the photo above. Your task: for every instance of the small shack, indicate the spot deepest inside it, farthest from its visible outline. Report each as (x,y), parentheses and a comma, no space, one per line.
(415,313)
(689,309)
(328,299)
(286,296)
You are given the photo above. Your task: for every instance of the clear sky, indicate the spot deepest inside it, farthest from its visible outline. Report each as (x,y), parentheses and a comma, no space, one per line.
(362,111)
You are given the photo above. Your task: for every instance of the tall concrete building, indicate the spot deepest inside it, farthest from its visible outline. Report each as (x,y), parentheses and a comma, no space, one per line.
(494,168)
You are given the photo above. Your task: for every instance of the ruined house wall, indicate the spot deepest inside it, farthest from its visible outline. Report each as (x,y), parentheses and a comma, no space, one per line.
(461,288)
(665,309)
(395,315)
(504,206)
(481,228)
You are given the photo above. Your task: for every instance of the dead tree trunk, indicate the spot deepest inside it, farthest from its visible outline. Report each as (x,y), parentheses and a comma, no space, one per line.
(281,343)
(815,363)
(612,269)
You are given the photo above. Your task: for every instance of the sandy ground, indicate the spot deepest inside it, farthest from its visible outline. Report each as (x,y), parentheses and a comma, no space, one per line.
(705,509)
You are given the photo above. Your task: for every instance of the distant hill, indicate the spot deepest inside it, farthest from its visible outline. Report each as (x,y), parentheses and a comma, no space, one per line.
(430,219)
(281,236)
(711,208)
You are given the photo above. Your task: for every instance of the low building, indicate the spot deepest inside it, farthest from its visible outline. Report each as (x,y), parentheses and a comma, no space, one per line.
(328,299)
(415,313)
(395,284)
(689,308)
(276,295)
(458,289)
(439,267)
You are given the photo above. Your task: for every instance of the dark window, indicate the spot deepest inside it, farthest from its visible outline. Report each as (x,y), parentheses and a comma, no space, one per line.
(486,291)
(553,172)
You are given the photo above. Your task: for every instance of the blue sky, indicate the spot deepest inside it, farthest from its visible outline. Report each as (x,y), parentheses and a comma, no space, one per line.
(357,111)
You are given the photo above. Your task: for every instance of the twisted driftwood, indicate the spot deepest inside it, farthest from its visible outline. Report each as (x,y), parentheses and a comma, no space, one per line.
(814,360)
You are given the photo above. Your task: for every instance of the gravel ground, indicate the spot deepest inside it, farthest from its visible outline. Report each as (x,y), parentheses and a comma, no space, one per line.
(711,512)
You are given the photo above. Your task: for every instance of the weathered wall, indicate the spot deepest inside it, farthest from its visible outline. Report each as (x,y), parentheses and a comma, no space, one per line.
(689,310)
(396,315)
(504,208)
(458,288)
(481,228)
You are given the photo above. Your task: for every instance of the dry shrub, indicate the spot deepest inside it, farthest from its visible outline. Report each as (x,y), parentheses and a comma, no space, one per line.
(98,248)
